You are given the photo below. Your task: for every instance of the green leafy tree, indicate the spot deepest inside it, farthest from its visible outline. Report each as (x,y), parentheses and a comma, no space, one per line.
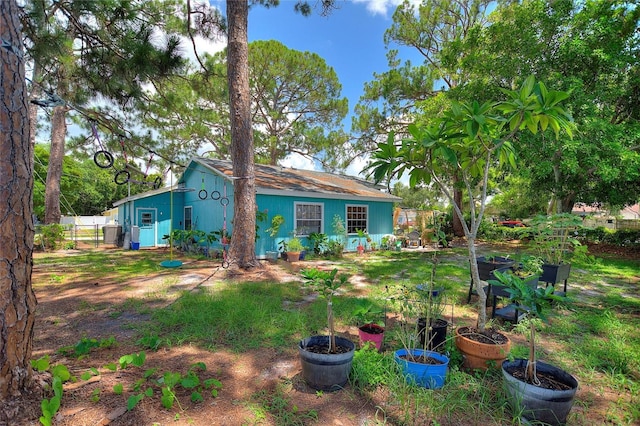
(589,48)
(85,49)
(438,30)
(468,140)
(295,106)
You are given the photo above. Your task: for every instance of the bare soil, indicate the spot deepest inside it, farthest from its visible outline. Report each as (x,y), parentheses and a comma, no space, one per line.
(251,381)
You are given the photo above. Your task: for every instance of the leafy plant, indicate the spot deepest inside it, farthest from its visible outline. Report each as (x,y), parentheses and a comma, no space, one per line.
(554,237)
(60,374)
(367,313)
(534,302)
(276,222)
(319,242)
(51,236)
(294,245)
(463,143)
(327,284)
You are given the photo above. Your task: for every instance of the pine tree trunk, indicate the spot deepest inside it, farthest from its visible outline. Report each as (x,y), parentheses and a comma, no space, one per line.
(52,212)
(243,246)
(17,300)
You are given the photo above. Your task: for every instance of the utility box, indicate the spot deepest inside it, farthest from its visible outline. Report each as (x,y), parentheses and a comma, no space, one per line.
(135,234)
(112,234)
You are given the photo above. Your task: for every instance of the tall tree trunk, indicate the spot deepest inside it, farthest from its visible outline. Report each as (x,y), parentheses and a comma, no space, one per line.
(35,93)
(243,246)
(17,300)
(54,171)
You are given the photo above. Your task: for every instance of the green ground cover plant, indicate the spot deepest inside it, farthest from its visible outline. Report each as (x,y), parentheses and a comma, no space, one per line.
(595,338)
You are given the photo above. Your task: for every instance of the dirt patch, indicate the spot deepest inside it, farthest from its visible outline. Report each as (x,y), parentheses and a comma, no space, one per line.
(254,383)
(251,381)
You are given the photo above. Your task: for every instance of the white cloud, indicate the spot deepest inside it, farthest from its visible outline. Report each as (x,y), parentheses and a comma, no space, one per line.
(383,7)
(297,161)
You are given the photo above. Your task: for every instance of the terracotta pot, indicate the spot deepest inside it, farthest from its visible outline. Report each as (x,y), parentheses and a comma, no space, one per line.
(293,256)
(481,356)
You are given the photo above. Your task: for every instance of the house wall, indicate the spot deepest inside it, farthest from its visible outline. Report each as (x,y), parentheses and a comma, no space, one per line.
(380,219)
(210,214)
(207,201)
(159,205)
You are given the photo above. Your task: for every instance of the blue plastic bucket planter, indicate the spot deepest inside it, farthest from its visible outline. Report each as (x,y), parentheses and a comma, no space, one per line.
(430,376)
(135,246)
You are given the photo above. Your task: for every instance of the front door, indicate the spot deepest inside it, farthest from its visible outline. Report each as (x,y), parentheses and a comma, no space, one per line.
(146,219)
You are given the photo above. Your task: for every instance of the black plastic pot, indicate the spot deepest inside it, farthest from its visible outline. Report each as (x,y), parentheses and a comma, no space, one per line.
(537,404)
(436,336)
(326,372)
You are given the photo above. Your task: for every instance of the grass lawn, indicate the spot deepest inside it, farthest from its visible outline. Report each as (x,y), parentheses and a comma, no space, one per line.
(121,303)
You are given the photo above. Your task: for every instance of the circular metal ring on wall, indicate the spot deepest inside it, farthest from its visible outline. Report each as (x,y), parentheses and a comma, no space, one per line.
(215,195)
(224,201)
(202,194)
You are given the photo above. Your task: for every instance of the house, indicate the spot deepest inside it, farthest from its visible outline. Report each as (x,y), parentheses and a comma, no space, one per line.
(308,201)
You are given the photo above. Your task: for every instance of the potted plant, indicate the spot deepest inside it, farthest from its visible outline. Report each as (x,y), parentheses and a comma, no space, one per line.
(554,242)
(293,248)
(276,222)
(461,145)
(432,327)
(419,364)
(540,391)
(362,235)
(326,360)
(370,328)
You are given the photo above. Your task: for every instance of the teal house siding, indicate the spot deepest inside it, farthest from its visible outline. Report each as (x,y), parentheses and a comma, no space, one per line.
(203,200)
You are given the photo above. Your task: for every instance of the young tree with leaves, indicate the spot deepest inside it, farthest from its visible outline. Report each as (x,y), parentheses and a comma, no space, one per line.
(468,140)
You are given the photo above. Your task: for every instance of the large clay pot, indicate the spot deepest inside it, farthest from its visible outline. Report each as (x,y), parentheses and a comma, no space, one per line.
(547,406)
(477,355)
(326,372)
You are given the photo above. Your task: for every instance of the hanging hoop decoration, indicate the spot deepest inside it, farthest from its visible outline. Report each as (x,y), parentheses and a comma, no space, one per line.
(224,201)
(102,157)
(215,195)
(122,177)
(157,183)
(203,192)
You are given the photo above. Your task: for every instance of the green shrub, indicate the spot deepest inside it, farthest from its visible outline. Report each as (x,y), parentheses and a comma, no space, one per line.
(51,236)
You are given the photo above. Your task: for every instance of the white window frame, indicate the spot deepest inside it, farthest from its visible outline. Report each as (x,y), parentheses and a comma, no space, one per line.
(184,222)
(353,228)
(301,231)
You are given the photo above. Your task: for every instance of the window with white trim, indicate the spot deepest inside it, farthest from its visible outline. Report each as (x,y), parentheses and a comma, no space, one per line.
(357,218)
(146,219)
(308,218)
(188,214)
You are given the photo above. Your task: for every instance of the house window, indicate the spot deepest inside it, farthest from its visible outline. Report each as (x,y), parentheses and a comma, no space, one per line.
(357,217)
(187,218)
(308,218)
(146,218)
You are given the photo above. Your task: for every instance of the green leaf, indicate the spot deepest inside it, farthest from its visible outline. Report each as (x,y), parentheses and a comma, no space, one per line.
(118,388)
(196,397)
(40,364)
(134,400)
